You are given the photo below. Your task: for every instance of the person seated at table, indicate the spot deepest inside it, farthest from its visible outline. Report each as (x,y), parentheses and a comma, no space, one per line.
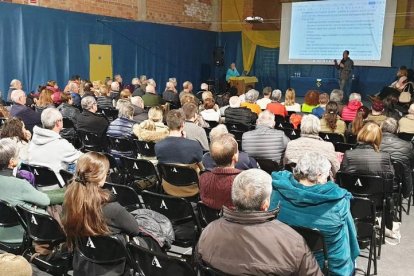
(307,199)
(323,101)
(275,106)
(289,103)
(250,101)
(331,122)
(311,101)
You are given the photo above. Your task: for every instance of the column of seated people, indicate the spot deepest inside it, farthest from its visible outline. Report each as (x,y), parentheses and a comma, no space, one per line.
(33,133)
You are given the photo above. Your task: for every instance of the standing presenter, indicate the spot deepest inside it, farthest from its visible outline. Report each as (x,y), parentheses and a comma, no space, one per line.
(345,73)
(232,72)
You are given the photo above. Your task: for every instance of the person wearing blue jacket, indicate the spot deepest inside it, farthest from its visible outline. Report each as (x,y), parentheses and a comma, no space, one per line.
(307,199)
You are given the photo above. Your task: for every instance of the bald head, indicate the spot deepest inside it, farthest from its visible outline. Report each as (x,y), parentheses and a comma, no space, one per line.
(18,96)
(224,150)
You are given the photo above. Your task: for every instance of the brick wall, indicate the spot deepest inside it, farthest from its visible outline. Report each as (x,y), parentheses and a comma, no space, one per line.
(199,14)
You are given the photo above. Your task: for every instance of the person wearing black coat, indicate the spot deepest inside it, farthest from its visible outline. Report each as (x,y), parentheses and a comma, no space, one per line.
(70,112)
(235,114)
(20,110)
(90,121)
(399,150)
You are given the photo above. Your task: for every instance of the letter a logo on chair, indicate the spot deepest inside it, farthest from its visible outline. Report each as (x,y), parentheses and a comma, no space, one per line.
(358,183)
(35,172)
(156,263)
(89,243)
(33,220)
(114,191)
(86,138)
(146,146)
(135,166)
(174,170)
(326,137)
(163,205)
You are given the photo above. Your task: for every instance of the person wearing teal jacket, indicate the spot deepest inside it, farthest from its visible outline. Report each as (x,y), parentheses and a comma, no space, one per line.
(305,201)
(232,72)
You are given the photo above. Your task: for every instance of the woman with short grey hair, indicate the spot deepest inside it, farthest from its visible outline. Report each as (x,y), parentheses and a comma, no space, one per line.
(251,97)
(306,198)
(310,141)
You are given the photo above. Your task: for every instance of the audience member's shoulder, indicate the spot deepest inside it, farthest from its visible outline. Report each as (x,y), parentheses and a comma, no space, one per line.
(285,231)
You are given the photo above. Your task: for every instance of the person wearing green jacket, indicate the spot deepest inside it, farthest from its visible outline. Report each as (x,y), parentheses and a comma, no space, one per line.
(308,200)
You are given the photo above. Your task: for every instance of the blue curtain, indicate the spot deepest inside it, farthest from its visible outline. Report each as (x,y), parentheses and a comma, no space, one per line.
(40,44)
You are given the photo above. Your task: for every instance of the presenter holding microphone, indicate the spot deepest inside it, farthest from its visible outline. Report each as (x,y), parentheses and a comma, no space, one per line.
(345,73)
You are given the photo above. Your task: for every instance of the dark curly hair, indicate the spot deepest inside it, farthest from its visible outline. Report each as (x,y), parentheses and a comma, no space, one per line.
(13,128)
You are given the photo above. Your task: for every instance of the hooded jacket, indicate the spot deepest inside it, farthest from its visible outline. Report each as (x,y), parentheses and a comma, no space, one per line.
(322,206)
(349,112)
(48,148)
(254,243)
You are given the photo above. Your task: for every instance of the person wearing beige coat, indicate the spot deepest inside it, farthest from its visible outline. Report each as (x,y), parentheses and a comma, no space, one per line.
(406,123)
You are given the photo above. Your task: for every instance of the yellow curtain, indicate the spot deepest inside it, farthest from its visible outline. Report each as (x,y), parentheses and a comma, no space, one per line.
(100,61)
(232,20)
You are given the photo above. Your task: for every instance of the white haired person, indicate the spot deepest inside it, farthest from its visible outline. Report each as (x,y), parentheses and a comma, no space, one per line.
(47,148)
(251,97)
(20,110)
(235,114)
(310,141)
(251,239)
(306,198)
(151,98)
(406,123)
(14,85)
(275,106)
(350,110)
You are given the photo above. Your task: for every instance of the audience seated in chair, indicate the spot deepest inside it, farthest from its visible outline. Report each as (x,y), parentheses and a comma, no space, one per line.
(235,114)
(320,110)
(349,111)
(275,106)
(337,96)
(310,141)
(355,126)
(153,129)
(406,123)
(47,148)
(73,89)
(20,110)
(263,102)
(140,114)
(376,115)
(176,148)
(13,265)
(170,94)
(70,112)
(331,122)
(251,239)
(265,142)
(89,120)
(289,103)
(307,199)
(151,98)
(367,159)
(244,161)
(215,185)
(14,128)
(44,101)
(103,100)
(311,101)
(251,97)
(192,130)
(211,111)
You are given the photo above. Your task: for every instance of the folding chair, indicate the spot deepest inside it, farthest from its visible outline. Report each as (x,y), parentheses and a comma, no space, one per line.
(139,169)
(206,214)
(343,147)
(400,181)
(280,119)
(107,253)
(110,113)
(146,149)
(125,195)
(68,124)
(283,125)
(351,139)
(268,165)
(372,187)
(44,176)
(146,262)
(316,243)
(406,136)
(43,228)
(178,174)
(292,133)
(181,214)
(67,176)
(332,137)
(115,174)
(122,146)
(90,141)
(363,211)
(12,242)
(237,130)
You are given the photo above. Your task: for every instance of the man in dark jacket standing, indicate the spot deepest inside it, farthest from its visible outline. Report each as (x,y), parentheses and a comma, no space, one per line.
(250,238)
(19,110)
(89,121)
(235,114)
(399,150)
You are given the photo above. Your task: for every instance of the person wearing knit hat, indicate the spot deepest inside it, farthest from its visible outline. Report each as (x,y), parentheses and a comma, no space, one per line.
(12,265)
(376,114)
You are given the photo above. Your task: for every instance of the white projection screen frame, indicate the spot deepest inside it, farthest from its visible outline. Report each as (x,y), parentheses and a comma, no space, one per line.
(335,49)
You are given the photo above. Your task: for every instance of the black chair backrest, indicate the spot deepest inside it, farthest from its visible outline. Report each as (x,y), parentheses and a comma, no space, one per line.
(110,113)
(138,168)
(283,125)
(343,147)
(205,270)
(68,123)
(268,165)
(363,209)
(351,138)
(316,243)
(67,176)
(406,136)
(8,215)
(40,227)
(125,195)
(332,137)
(280,119)
(113,165)
(146,149)
(122,144)
(102,249)
(44,176)
(292,133)
(174,208)
(90,141)
(157,264)
(212,123)
(206,214)
(237,128)
(178,174)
